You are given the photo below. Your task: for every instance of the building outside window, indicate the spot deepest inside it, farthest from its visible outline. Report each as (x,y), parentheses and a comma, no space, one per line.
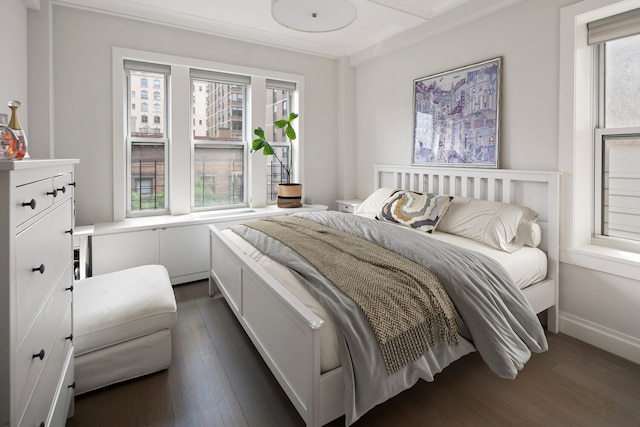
(617,136)
(146,145)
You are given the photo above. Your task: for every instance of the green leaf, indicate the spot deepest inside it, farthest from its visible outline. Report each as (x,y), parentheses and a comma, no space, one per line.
(268,149)
(292,117)
(259,132)
(291,133)
(257,144)
(280,123)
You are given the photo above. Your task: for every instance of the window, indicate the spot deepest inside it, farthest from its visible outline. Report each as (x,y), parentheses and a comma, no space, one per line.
(219,143)
(193,154)
(278,99)
(617,136)
(146,145)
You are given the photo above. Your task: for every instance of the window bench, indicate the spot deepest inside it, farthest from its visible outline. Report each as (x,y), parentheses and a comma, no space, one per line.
(179,242)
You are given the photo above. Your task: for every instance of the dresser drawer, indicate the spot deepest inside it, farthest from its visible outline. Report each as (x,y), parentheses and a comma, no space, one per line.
(64,394)
(46,243)
(31,199)
(42,405)
(49,333)
(348,206)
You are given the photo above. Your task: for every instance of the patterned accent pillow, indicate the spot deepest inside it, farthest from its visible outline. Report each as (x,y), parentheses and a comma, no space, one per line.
(417,210)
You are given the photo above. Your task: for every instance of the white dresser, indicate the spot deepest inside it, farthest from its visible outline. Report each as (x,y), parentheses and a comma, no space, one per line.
(36,285)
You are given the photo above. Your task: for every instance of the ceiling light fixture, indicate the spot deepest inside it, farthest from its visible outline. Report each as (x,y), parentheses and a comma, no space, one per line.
(313,16)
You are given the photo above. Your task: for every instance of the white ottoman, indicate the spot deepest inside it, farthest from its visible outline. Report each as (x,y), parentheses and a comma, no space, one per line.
(122,326)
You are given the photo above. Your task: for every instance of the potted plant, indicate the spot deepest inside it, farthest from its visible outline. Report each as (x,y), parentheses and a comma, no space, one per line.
(289,194)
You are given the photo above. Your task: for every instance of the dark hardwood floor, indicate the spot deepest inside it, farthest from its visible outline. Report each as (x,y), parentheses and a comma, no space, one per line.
(217,378)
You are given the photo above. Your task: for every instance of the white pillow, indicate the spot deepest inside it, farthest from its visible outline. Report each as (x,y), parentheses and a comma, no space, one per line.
(535,236)
(375,202)
(500,225)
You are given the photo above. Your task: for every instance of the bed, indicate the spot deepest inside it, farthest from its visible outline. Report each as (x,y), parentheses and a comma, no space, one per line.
(290,330)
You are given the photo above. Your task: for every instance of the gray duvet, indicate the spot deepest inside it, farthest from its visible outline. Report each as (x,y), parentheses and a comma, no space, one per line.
(493,315)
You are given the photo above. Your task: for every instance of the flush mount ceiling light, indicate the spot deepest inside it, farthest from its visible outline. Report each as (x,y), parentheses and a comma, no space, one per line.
(313,16)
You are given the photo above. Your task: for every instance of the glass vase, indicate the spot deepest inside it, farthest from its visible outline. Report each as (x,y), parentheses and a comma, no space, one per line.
(8,139)
(18,150)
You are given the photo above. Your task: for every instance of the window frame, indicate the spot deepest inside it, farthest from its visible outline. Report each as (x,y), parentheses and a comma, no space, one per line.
(291,89)
(600,133)
(130,141)
(199,75)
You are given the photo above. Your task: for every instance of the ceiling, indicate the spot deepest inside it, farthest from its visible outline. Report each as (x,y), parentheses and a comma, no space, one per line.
(251,20)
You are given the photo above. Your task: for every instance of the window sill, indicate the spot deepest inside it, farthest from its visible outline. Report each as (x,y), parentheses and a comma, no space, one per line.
(604,259)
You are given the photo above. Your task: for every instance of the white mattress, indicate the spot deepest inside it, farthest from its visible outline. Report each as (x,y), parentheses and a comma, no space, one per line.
(526,266)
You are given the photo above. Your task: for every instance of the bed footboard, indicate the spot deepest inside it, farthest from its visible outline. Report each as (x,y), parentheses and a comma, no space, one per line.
(262,305)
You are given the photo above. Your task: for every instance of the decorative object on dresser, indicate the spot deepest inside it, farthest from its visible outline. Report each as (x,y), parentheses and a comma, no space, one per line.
(289,194)
(456,116)
(36,266)
(17,150)
(8,139)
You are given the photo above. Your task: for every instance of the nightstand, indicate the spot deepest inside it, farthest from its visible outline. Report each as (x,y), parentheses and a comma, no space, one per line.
(348,206)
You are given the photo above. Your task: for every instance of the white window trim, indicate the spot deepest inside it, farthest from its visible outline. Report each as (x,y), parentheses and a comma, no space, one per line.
(576,155)
(179,133)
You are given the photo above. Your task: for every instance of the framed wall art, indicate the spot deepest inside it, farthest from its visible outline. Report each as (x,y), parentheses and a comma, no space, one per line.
(456,116)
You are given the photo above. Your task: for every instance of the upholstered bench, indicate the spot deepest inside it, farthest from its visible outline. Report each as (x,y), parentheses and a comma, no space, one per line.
(122,326)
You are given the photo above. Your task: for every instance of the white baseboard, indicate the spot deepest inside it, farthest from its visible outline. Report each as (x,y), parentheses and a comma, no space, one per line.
(602,337)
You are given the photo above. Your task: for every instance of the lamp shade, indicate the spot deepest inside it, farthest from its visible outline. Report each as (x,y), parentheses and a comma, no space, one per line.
(313,16)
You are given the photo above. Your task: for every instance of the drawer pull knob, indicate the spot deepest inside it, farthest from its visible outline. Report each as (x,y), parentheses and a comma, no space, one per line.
(70,288)
(70,337)
(53,193)
(73,184)
(40,269)
(39,355)
(63,189)
(32,203)
(69,231)
(73,386)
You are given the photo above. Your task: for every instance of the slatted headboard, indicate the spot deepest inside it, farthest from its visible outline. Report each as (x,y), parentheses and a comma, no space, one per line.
(538,190)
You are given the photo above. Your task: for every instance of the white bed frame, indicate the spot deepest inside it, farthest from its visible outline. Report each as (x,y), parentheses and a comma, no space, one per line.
(286,332)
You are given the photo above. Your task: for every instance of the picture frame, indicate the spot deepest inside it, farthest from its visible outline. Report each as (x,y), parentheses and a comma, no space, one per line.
(457,117)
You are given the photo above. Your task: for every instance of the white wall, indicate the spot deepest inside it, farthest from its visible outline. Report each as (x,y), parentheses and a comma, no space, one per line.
(596,306)
(13,72)
(525,35)
(83,43)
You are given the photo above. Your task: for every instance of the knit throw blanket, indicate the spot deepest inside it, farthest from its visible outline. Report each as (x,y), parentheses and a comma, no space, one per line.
(403,301)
